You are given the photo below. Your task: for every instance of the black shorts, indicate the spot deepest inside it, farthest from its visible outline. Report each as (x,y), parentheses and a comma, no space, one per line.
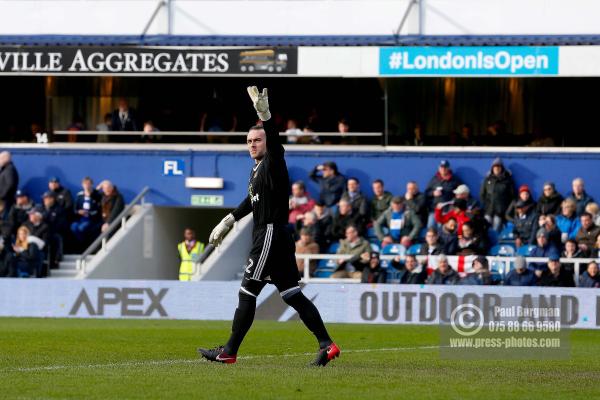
(271,260)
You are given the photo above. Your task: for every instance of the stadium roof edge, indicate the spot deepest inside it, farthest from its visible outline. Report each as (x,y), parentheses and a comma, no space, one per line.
(290,41)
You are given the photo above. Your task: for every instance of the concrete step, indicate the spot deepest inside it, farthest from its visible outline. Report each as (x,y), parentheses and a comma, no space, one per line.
(67,265)
(70,257)
(62,274)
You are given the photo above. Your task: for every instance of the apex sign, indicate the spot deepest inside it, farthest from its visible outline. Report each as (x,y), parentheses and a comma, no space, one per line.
(130,302)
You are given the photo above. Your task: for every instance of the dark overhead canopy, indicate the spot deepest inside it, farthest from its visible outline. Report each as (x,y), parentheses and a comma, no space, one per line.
(333,40)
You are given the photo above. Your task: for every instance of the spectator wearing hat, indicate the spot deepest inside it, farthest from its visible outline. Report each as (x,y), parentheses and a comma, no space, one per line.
(440,188)
(112,203)
(579,196)
(62,194)
(444,274)
(36,225)
(359,250)
(375,273)
(448,237)
(554,275)
(481,273)
(432,245)
(359,203)
(525,223)
(300,202)
(587,234)
(458,212)
(416,201)
(410,270)
(525,197)
(343,217)
(56,219)
(306,245)
(550,200)
(520,275)
(88,216)
(463,192)
(18,213)
(9,180)
(590,277)
(330,181)
(403,225)
(469,242)
(567,222)
(571,251)
(497,191)
(381,199)
(543,249)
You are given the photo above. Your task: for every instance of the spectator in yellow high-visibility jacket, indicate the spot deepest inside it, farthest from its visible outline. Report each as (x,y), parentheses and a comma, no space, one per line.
(189,253)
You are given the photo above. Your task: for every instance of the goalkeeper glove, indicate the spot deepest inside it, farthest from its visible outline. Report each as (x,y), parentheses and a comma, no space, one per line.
(217,234)
(261,102)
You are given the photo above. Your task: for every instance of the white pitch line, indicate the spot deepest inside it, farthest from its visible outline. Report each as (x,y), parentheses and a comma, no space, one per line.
(198,360)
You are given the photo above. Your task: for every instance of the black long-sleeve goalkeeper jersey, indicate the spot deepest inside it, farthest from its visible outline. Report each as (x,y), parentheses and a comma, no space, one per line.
(268,186)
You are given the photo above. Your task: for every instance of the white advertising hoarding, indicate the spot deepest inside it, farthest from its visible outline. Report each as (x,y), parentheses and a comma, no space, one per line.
(344,303)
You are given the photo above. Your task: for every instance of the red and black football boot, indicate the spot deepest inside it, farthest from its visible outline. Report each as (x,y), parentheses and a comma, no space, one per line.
(326,354)
(218,355)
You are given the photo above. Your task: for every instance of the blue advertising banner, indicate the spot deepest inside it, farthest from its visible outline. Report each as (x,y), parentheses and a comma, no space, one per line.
(469,61)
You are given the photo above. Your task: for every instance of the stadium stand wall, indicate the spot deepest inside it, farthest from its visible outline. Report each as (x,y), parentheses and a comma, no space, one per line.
(133,169)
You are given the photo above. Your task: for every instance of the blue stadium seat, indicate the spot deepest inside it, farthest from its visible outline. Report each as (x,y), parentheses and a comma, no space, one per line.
(333,248)
(325,268)
(414,249)
(422,234)
(525,250)
(507,235)
(394,248)
(371,233)
(505,249)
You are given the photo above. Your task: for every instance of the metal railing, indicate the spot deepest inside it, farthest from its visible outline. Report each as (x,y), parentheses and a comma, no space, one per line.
(503,259)
(204,133)
(119,222)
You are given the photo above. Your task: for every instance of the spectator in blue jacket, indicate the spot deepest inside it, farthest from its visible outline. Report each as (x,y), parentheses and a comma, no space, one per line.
(567,221)
(520,275)
(88,215)
(331,182)
(580,196)
(590,278)
(543,249)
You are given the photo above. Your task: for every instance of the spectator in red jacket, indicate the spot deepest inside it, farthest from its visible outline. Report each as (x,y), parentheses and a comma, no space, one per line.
(300,202)
(458,212)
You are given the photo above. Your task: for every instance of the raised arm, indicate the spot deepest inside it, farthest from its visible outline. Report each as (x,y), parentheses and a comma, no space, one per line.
(261,105)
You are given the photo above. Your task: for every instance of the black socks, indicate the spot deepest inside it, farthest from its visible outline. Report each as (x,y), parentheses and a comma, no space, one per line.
(310,316)
(242,321)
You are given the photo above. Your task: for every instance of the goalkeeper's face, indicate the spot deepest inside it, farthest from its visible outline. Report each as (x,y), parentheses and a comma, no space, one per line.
(257,143)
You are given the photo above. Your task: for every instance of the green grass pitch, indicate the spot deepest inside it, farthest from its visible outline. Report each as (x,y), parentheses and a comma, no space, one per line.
(145,359)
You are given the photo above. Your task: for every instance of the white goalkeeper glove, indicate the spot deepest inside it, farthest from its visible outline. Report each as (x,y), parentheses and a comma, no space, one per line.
(219,232)
(261,102)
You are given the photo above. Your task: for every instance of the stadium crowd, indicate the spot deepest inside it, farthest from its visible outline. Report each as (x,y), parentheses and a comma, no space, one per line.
(443,220)
(34,236)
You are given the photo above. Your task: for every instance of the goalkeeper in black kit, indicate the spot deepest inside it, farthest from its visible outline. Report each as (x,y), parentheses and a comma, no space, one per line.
(271,258)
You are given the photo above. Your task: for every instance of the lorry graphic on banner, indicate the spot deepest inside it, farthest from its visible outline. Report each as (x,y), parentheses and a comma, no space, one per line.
(267,60)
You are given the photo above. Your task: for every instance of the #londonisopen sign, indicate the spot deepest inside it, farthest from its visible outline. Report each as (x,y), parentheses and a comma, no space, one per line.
(469,61)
